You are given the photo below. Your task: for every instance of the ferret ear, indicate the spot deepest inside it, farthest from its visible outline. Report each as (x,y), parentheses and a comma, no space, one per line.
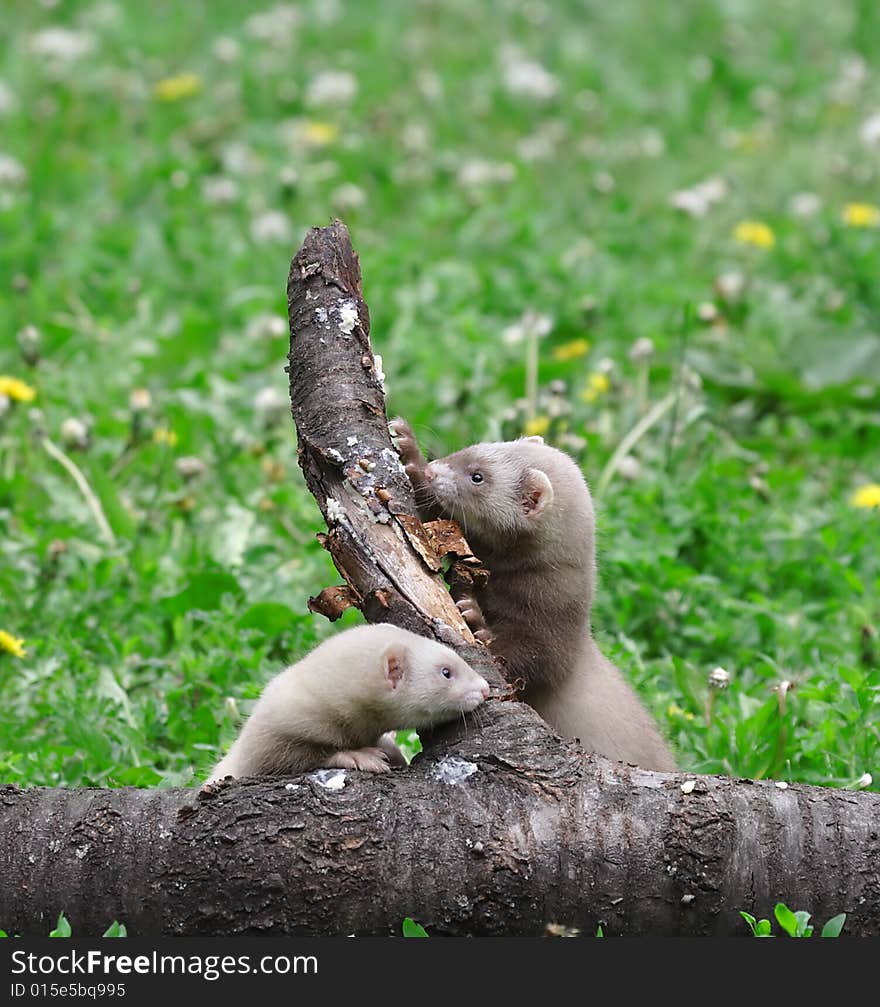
(535,439)
(395,661)
(537,492)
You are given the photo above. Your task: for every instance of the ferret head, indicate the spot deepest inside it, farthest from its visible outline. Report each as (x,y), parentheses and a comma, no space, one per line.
(506,489)
(427,683)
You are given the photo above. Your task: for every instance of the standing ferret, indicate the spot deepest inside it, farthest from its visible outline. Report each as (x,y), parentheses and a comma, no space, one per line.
(333,707)
(528,515)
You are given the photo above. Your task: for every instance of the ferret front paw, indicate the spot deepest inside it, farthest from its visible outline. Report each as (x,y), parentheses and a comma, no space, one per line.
(407,445)
(367,760)
(476,622)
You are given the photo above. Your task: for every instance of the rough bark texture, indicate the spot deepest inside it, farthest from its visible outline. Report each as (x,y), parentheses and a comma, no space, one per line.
(535,835)
(498,828)
(345,450)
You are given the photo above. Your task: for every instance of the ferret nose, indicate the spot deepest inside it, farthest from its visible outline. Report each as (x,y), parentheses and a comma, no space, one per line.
(484,691)
(429,472)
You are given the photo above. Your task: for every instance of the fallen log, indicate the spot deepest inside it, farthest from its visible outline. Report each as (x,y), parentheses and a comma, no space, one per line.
(498,828)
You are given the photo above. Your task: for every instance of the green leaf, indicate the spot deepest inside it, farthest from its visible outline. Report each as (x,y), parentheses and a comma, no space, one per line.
(786,919)
(413,929)
(269,617)
(599,931)
(232,534)
(62,927)
(204,592)
(135,776)
(763,929)
(833,927)
(3,933)
(751,922)
(119,517)
(116,929)
(802,920)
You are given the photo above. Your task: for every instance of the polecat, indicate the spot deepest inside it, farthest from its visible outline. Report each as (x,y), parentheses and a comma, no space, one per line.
(334,706)
(528,515)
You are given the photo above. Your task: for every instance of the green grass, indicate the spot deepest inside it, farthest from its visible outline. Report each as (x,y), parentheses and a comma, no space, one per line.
(736,544)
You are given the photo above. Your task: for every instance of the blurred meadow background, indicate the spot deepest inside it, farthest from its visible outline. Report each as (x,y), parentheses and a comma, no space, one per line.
(648,232)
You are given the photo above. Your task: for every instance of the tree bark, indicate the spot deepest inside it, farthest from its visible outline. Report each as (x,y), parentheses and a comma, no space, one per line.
(535,835)
(499,828)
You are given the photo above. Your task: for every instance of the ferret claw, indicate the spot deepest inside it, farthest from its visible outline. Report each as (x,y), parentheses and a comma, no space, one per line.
(476,622)
(407,445)
(367,760)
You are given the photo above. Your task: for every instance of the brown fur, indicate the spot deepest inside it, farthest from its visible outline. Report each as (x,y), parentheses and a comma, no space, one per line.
(530,520)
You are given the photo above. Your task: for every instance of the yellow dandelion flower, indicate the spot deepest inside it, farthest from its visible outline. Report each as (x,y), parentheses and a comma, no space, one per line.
(537,427)
(597,384)
(861,215)
(16,389)
(165,435)
(12,644)
(571,351)
(184,85)
(318,134)
(867,496)
(674,710)
(753,232)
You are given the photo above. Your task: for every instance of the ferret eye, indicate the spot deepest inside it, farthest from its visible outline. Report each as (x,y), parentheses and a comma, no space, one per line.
(476,477)
(446,672)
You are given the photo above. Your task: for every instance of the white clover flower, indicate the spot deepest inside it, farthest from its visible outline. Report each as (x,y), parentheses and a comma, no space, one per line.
(8,101)
(641,350)
(189,467)
(805,204)
(270,405)
(217,190)
(267,326)
(478,171)
(870,131)
(719,678)
(331,87)
(348,197)
(707,312)
(275,25)
(226,49)
(62,44)
(415,137)
(140,400)
(729,286)
(630,468)
(526,77)
(75,434)
(288,176)
(239,159)
(573,442)
(538,147)
(531,325)
(11,171)
(269,226)
(699,199)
